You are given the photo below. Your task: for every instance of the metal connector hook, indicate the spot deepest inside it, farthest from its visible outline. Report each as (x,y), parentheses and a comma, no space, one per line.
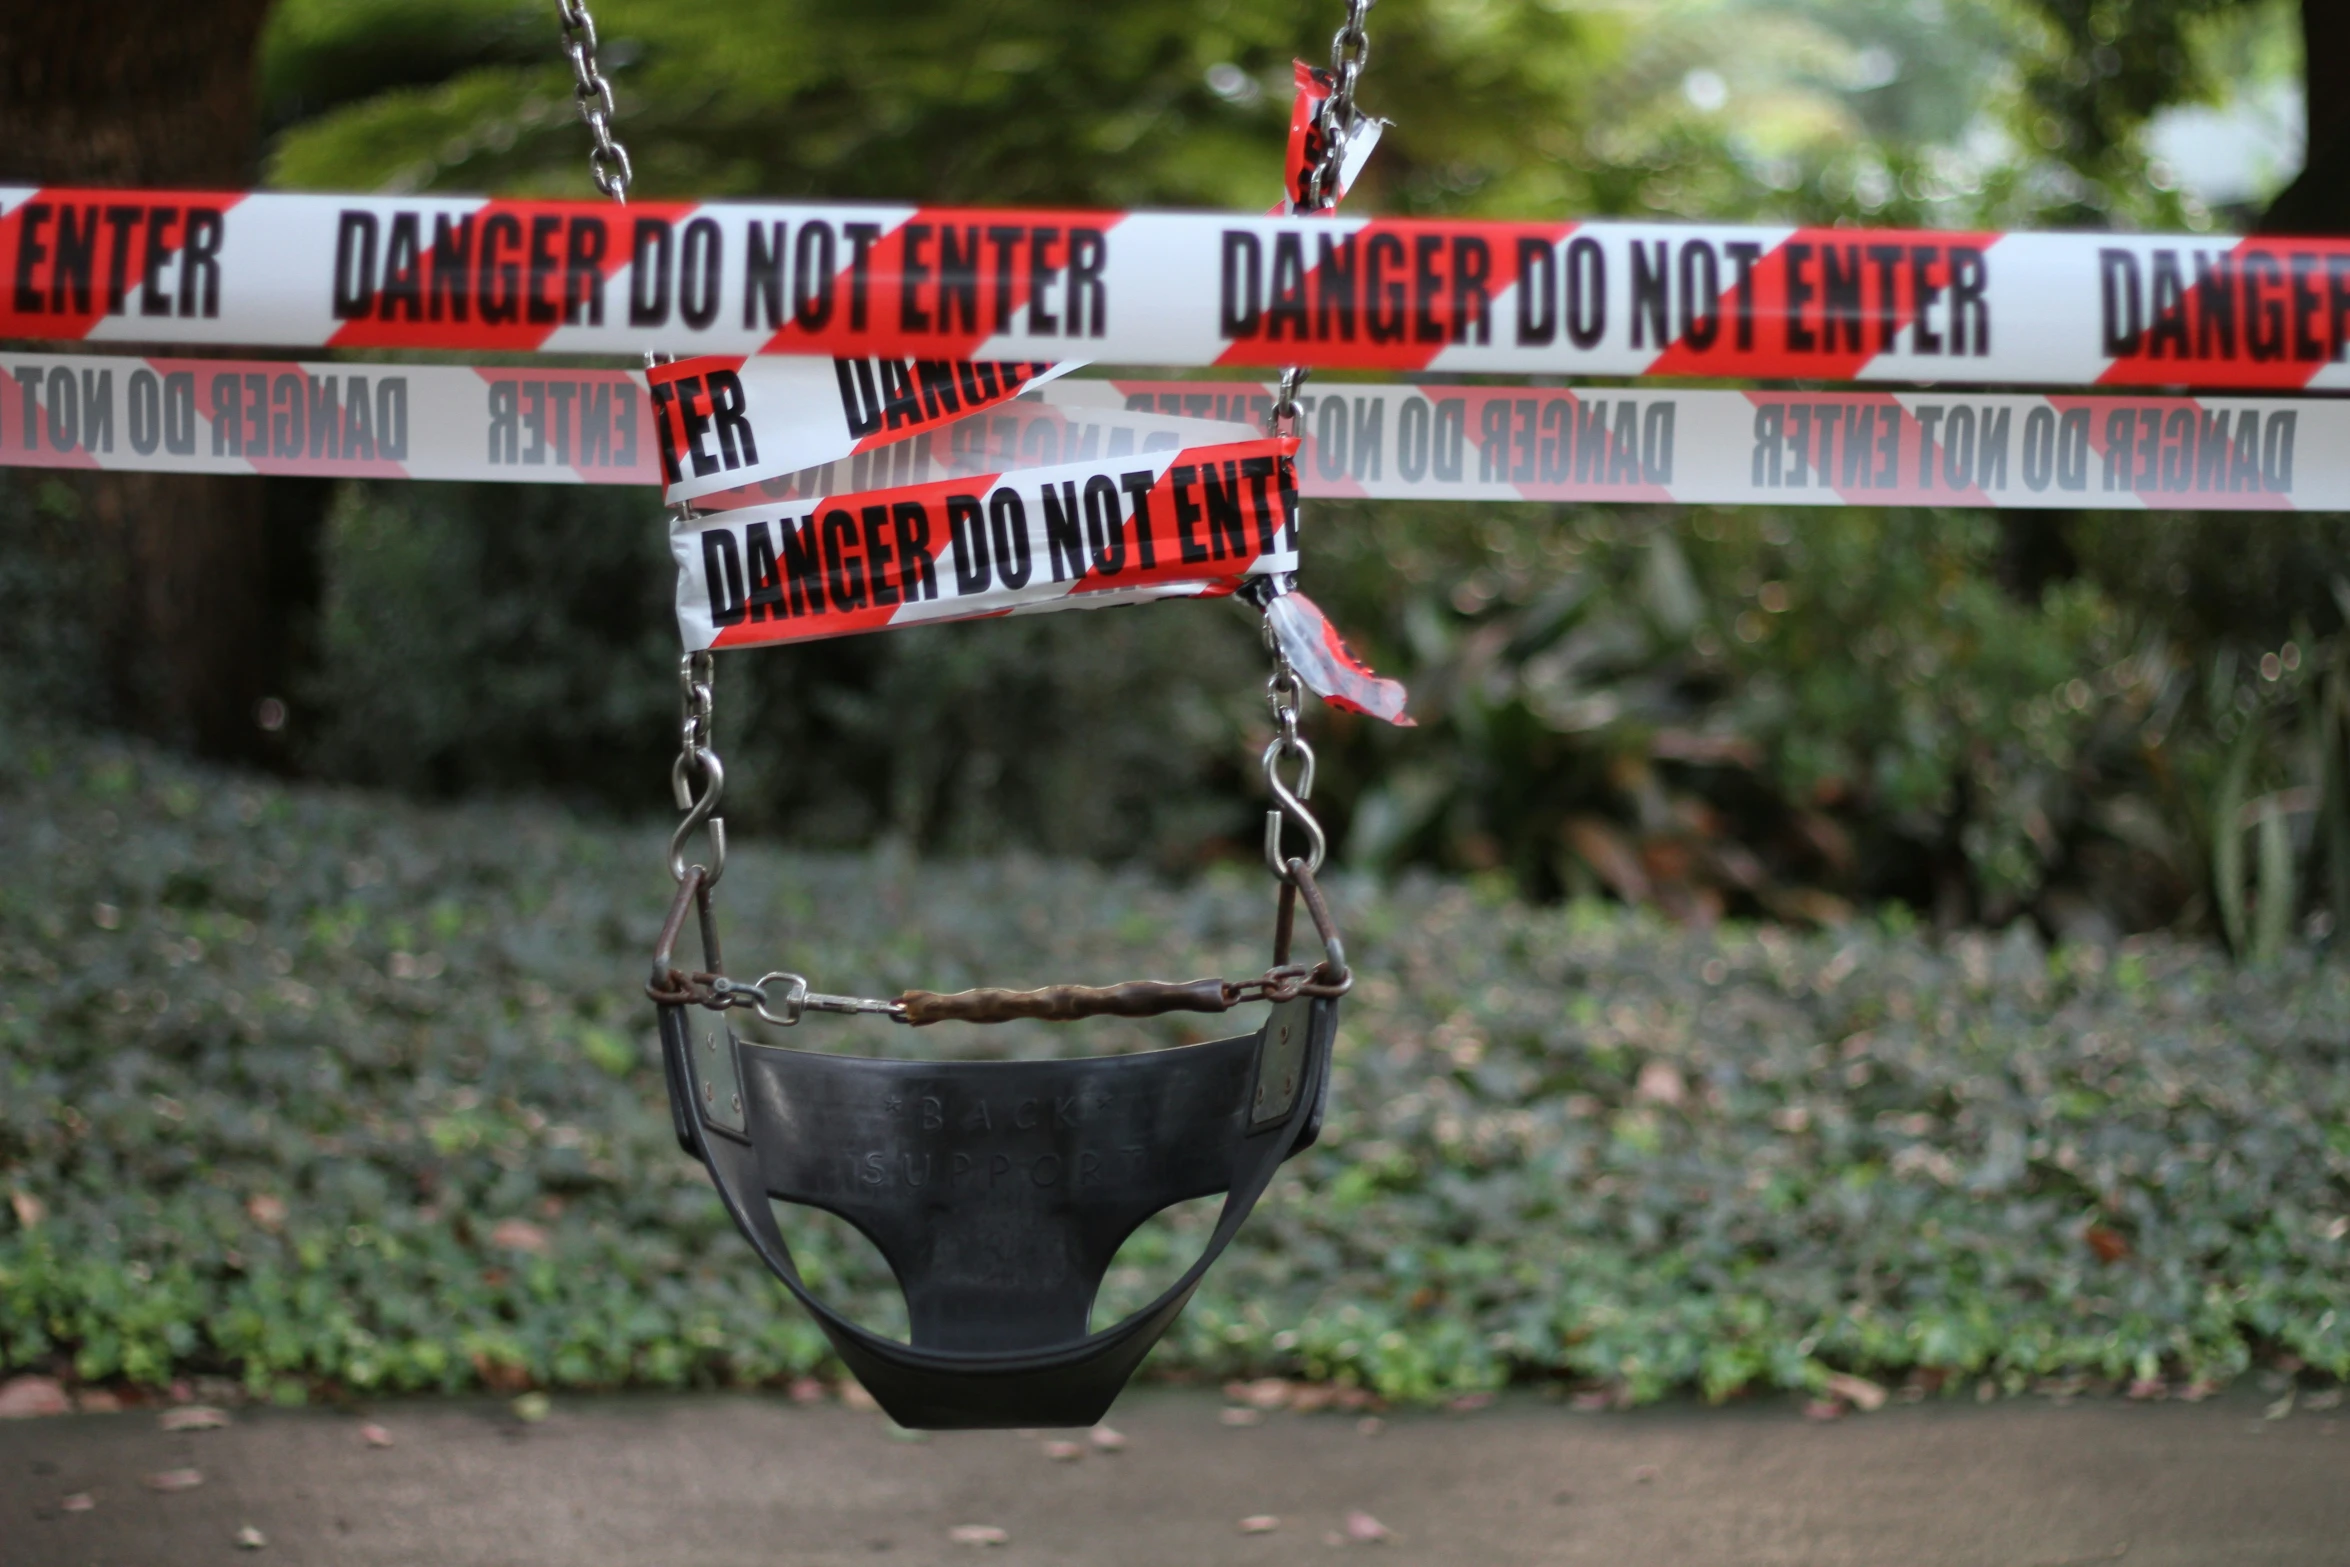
(1291,804)
(699,809)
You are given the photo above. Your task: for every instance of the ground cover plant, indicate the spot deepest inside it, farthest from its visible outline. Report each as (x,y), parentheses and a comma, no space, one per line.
(325,1091)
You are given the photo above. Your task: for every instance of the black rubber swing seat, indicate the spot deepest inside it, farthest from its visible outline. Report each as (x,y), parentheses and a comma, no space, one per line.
(998,1191)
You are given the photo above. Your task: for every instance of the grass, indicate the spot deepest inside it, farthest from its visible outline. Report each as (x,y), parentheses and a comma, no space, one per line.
(328,1090)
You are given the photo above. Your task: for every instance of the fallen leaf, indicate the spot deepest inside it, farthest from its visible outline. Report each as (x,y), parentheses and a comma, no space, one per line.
(1269,1393)
(97,1401)
(1470,1403)
(267,1211)
(375,1436)
(1859,1392)
(29,1398)
(1064,1452)
(808,1390)
(978,1534)
(79,1502)
(2110,1245)
(194,1417)
(1660,1084)
(2280,1409)
(29,1211)
(175,1480)
(854,1396)
(1240,1417)
(2331,1398)
(1591,1400)
(2145,1388)
(1370,1425)
(1824,1409)
(520,1235)
(531,1408)
(1107,1440)
(1364,1529)
(251,1539)
(1310,1396)
(1259,1523)
(1645,1474)
(501,1376)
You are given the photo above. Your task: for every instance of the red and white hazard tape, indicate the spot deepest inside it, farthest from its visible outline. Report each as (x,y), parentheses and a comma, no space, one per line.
(1176,524)
(1314,87)
(867,281)
(1390,441)
(725,422)
(731,421)
(1939,448)
(539,424)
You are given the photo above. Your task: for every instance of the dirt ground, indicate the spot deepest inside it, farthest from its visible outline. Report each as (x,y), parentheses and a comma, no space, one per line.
(717,1481)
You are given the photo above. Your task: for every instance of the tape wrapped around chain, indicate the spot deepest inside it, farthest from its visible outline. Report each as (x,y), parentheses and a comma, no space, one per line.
(1186,523)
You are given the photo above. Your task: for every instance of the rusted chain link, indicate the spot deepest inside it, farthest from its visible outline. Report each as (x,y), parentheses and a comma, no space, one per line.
(672,986)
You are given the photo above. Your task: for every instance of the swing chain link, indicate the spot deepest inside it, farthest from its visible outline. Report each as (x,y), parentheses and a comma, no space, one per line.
(697,760)
(607,160)
(1282,693)
(1350,51)
(697,755)
(1282,420)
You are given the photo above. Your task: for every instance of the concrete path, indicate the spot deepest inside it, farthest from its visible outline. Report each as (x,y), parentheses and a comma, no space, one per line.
(727,1481)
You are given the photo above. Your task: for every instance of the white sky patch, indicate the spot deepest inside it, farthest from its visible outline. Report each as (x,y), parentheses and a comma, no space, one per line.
(2240,152)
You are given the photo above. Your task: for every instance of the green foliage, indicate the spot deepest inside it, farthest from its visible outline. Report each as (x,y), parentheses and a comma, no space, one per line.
(1738,709)
(48,653)
(2100,69)
(1020,101)
(321,1089)
(492,637)
(1950,111)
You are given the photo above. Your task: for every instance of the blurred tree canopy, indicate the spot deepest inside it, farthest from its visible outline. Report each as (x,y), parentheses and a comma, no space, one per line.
(1897,110)
(2095,719)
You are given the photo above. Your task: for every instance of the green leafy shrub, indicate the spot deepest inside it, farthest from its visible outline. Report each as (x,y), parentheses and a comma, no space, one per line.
(500,637)
(1797,713)
(320,1087)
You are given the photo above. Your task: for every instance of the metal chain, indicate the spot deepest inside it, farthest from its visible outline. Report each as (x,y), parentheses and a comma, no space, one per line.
(1282,693)
(697,755)
(1350,51)
(607,160)
(1282,418)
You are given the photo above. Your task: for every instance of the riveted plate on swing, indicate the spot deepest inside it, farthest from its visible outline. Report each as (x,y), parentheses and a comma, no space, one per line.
(717,1078)
(1281,1062)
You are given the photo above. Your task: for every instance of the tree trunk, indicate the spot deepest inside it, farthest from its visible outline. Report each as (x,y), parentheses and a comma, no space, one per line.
(207,583)
(2318,202)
